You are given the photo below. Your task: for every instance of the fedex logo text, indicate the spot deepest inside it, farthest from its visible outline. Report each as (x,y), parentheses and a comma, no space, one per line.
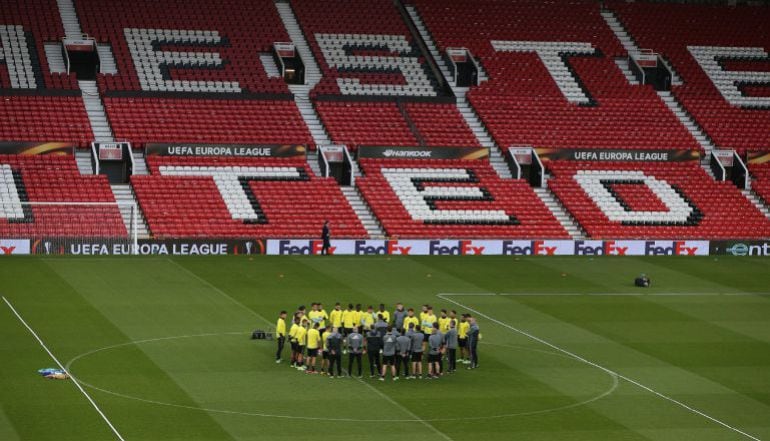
(675,248)
(312,247)
(607,248)
(364,247)
(462,248)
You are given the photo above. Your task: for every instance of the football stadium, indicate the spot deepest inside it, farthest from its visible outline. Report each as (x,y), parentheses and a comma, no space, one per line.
(384,220)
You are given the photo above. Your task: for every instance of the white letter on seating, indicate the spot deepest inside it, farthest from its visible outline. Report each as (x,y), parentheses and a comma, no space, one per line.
(229,185)
(550,53)
(726,81)
(10,202)
(336,50)
(413,198)
(15,54)
(594,183)
(148,60)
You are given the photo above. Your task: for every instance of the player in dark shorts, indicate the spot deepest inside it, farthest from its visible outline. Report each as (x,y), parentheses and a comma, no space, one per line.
(389,354)
(415,333)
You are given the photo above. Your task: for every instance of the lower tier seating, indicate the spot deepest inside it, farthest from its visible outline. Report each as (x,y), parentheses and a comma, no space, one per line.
(241,197)
(44,118)
(453,199)
(143,120)
(27,181)
(654,201)
(761,180)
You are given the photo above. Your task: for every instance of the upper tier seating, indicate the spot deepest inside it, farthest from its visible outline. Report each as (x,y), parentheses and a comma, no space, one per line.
(364,49)
(45,178)
(25,27)
(453,199)
(241,197)
(234,32)
(682,33)
(761,180)
(536,100)
(654,201)
(152,43)
(143,120)
(28,25)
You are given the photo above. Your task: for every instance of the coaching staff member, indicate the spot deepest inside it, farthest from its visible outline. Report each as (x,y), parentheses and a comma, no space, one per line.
(326,238)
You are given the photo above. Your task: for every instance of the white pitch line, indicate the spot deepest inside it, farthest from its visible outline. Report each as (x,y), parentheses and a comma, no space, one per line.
(72,377)
(609,371)
(617,294)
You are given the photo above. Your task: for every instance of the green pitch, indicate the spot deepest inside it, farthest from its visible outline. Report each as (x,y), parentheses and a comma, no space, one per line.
(162,346)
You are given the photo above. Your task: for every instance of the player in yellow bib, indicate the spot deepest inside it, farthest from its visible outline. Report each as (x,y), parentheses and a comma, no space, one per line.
(335,317)
(313,344)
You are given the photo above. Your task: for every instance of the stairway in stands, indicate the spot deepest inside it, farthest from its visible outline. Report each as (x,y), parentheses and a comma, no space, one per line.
(125,194)
(312,74)
(364,212)
(560,213)
(463,105)
(761,206)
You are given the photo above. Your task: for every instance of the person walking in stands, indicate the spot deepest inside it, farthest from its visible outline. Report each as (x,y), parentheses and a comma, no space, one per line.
(280,334)
(334,344)
(451,343)
(473,342)
(326,238)
(355,348)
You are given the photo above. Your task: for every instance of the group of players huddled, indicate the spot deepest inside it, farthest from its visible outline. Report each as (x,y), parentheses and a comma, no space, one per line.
(392,341)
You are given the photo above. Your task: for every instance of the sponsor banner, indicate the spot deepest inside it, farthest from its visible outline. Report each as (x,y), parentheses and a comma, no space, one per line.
(14,247)
(740,248)
(37,148)
(423,152)
(235,150)
(757,157)
(608,155)
(147,247)
(455,247)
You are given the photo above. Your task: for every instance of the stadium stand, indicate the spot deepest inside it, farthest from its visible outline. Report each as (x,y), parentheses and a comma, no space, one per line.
(190,71)
(721,54)
(552,82)
(48,178)
(367,55)
(35,104)
(241,197)
(653,201)
(453,198)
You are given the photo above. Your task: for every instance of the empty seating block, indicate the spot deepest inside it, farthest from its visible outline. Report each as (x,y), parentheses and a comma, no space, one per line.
(721,55)
(25,27)
(241,197)
(143,33)
(761,180)
(142,120)
(27,180)
(453,199)
(532,96)
(358,123)
(654,201)
(364,49)
(44,118)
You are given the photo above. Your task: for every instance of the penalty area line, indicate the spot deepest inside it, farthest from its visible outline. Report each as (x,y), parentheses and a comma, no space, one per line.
(600,367)
(56,360)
